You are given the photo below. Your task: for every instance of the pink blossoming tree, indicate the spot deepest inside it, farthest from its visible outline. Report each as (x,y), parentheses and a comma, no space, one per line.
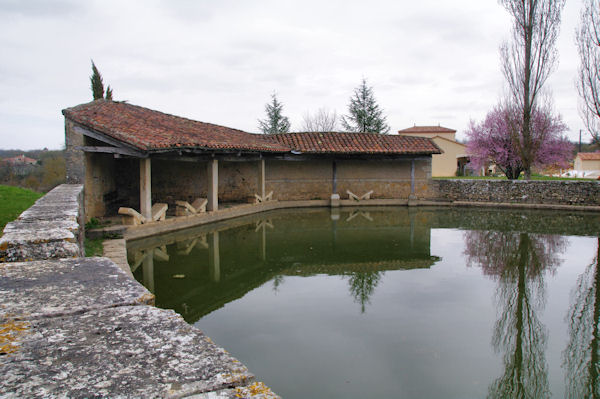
(497,140)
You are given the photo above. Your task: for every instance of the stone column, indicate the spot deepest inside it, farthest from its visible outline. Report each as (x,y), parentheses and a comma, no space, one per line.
(145,188)
(335,197)
(213,185)
(412,197)
(261,179)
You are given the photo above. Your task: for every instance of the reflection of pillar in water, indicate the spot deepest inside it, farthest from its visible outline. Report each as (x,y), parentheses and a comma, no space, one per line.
(263,254)
(335,216)
(411,217)
(148,270)
(213,256)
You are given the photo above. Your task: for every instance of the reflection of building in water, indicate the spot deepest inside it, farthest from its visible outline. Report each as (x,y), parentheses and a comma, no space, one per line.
(244,254)
(518,261)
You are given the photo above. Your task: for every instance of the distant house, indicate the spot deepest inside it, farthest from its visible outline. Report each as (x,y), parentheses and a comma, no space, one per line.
(20,165)
(587,161)
(454,157)
(20,160)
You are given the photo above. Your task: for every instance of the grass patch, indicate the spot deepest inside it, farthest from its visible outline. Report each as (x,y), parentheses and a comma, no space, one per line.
(94,247)
(13,201)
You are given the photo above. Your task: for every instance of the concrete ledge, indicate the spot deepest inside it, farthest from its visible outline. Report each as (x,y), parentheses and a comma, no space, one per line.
(184,222)
(42,289)
(116,250)
(131,351)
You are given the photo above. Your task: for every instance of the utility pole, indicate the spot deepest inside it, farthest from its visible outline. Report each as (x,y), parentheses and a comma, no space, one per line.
(579,140)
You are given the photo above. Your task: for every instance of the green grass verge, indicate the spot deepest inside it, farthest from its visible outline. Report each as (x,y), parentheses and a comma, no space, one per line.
(94,247)
(13,201)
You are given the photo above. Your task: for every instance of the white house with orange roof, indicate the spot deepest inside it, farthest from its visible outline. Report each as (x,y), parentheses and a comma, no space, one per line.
(454,156)
(587,164)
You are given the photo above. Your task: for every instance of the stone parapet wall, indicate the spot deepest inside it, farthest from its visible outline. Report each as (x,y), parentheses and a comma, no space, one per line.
(549,192)
(51,229)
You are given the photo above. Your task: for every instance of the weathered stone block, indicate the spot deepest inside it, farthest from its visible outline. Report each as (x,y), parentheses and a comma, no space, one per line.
(31,290)
(129,351)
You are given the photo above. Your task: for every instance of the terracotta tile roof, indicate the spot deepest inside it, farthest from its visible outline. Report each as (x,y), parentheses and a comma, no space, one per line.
(152,130)
(356,143)
(589,156)
(426,129)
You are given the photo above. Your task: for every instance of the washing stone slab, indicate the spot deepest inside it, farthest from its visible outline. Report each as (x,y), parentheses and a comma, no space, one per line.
(31,290)
(128,351)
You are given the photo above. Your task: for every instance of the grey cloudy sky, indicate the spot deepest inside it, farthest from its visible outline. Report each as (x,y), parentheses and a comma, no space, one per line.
(430,62)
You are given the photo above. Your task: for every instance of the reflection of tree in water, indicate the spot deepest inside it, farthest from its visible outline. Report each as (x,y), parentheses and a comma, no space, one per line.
(517,261)
(362,286)
(277,282)
(581,357)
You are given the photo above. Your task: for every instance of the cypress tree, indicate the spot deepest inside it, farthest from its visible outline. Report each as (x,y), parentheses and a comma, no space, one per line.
(96,82)
(109,93)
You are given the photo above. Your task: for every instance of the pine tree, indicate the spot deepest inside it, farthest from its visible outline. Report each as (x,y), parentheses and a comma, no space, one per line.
(96,81)
(364,112)
(275,122)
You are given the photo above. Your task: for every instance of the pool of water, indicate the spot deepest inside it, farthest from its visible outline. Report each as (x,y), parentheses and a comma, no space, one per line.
(393,302)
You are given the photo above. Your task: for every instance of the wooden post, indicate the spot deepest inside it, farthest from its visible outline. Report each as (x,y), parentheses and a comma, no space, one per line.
(213,185)
(214,259)
(261,179)
(145,188)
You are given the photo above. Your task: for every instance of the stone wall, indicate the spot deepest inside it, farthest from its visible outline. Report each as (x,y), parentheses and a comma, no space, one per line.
(550,192)
(74,159)
(313,179)
(52,228)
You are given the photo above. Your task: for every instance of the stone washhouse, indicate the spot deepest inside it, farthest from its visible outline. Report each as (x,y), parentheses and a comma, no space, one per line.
(130,156)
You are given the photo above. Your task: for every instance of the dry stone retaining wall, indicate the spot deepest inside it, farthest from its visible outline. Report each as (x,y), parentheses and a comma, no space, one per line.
(548,192)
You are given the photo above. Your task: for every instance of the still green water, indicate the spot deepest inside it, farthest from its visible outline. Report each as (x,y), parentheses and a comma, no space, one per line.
(393,302)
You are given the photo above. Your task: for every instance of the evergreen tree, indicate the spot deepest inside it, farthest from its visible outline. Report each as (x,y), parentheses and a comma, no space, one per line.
(109,93)
(364,112)
(98,85)
(96,81)
(275,122)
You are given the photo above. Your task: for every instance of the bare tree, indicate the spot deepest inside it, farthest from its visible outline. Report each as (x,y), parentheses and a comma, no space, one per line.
(528,60)
(321,121)
(588,82)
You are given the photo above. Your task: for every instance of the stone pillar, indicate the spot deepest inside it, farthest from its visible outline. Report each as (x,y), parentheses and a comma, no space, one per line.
(213,185)
(261,179)
(214,260)
(412,197)
(335,197)
(145,188)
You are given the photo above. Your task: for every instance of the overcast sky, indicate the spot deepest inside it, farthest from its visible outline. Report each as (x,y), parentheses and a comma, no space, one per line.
(429,62)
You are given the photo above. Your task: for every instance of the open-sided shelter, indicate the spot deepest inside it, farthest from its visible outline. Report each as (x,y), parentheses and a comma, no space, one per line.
(127,155)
